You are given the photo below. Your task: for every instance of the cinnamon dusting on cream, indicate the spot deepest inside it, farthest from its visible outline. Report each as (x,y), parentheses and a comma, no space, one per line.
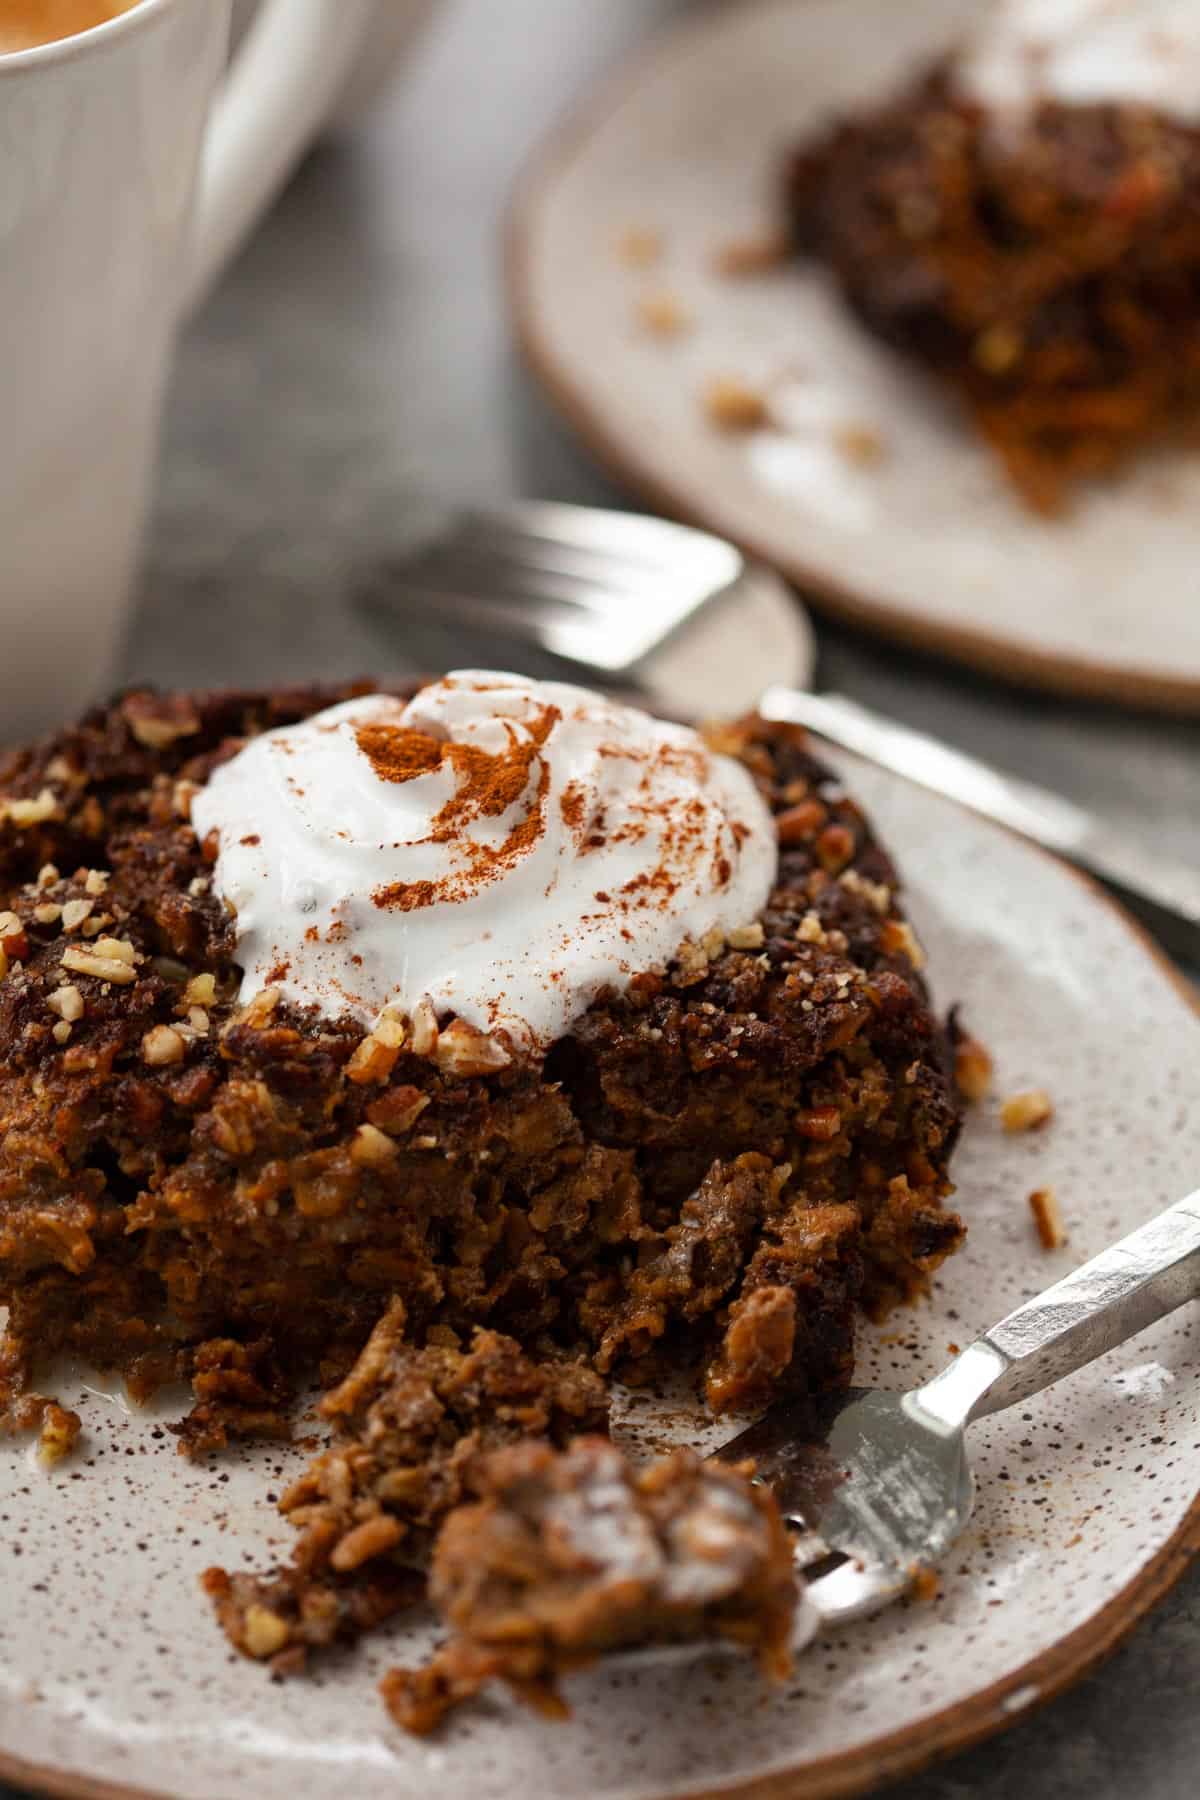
(500,849)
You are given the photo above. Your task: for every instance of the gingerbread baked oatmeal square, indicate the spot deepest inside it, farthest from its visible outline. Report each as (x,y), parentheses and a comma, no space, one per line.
(606,1056)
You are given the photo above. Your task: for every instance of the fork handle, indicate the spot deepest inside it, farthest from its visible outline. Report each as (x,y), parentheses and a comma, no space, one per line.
(1109,1300)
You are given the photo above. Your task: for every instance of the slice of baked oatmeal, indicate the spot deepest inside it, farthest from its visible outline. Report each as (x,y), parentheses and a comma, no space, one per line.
(567,1556)
(722,1163)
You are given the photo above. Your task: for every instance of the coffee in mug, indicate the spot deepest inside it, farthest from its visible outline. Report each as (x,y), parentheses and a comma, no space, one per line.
(26,23)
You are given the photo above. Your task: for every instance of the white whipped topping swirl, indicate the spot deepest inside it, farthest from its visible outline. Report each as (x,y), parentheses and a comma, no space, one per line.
(506,848)
(1086,52)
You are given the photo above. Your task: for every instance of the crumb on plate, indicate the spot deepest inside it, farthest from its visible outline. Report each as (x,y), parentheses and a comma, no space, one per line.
(925,1584)
(973,1069)
(755,254)
(1047,1216)
(1027,1111)
(861,445)
(662,314)
(639,246)
(733,404)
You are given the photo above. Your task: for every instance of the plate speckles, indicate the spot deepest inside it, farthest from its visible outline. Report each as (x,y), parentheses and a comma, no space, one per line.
(111,1668)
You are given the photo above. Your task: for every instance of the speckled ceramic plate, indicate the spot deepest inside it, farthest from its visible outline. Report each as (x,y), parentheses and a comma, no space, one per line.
(925,541)
(114,1678)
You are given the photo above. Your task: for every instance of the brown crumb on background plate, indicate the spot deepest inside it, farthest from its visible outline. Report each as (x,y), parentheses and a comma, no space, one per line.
(861,445)
(733,404)
(663,314)
(756,254)
(639,246)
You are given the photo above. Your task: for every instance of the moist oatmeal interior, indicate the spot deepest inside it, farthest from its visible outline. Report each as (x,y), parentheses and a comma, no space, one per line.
(410,1431)
(717,1170)
(568,1555)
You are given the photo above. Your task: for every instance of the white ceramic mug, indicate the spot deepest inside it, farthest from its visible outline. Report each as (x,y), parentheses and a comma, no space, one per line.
(396,26)
(129,172)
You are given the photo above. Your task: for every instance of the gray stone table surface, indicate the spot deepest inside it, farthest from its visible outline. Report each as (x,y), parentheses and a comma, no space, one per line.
(355,362)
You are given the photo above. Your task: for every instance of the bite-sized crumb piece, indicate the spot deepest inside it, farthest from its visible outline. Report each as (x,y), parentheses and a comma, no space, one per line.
(57,1428)
(973,1069)
(571,1555)
(240,1393)
(734,405)
(1027,1111)
(59,1434)
(861,445)
(925,1584)
(756,254)
(663,314)
(640,246)
(1047,1216)
(409,1427)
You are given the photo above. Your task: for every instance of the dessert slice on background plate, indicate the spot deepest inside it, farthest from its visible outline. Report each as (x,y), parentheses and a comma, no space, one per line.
(1024,217)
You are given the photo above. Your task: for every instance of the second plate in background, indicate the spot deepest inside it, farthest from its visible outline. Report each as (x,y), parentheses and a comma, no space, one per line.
(922,540)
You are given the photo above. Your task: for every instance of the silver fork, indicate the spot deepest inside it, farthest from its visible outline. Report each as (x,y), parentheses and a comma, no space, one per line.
(881,1489)
(638,603)
(598,589)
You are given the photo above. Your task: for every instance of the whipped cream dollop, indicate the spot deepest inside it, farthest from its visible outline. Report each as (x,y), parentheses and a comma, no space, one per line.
(1086,52)
(505,848)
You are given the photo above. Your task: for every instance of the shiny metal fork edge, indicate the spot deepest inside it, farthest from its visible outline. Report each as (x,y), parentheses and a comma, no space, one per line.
(596,588)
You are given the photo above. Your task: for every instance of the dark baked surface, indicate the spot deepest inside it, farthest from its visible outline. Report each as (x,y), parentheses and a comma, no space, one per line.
(719,1170)
(567,1555)
(725,1163)
(1051,272)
